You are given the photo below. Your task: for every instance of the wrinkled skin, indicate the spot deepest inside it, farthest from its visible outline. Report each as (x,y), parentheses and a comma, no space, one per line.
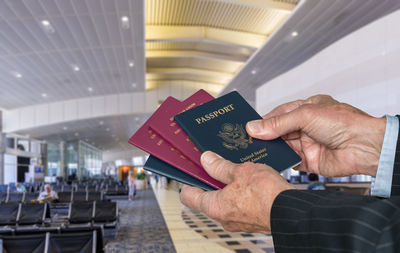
(332,138)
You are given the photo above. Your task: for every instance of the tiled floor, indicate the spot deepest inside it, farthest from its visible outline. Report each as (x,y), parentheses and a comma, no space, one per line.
(194,232)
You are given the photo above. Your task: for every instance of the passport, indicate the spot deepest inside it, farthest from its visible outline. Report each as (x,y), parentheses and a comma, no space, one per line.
(159,167)
(148,140)
(220,126)
(168,129)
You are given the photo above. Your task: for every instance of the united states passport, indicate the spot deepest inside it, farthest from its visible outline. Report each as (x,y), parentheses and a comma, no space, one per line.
(220,126)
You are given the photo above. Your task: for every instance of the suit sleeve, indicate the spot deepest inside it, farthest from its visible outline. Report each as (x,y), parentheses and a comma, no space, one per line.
(329,221)
(396,169)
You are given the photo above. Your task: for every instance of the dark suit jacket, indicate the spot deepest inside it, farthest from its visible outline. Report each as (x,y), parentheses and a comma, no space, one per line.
(329,221)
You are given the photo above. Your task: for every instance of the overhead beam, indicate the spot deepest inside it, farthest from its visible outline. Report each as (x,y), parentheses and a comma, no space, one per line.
(159,32)
(194,54)
(267,4)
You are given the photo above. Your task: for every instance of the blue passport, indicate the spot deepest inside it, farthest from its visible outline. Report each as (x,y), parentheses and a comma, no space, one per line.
(220,126)
(162,168)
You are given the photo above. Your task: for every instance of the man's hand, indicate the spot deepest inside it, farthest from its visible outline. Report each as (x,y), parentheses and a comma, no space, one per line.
(332,138)
(245,203)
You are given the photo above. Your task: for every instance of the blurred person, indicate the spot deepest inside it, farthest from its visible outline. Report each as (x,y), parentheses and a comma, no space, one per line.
(131,183)
(47,195)
(20,187)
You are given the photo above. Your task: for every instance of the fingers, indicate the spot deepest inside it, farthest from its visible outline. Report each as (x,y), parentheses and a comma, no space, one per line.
(284,108)
(196,198)
(277,126)
(218,167)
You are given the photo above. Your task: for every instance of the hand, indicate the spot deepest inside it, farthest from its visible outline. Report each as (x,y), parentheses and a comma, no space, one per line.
(245,202)
(332,138)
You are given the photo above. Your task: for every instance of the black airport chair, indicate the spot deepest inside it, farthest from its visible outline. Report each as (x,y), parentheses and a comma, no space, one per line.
(29,196)
(99,234)
(32,214)
(65,197)
(74,242)
(106,213)
(95,196)
(80,212)
(67,188)
(24,243)
(3,197)
(80,196)
(15,197)
(9,213)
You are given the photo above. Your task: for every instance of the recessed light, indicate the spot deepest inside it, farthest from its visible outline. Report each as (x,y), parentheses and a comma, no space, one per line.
(65,128)
(101,123)
(44,95)
(47,27)
(90,89)
(17,75)
(254,72)
(131,63)
(45,22)
(107,129)
(134,85)
(125,22)
(294,34)
(76,134)
(75,67)
(137,118)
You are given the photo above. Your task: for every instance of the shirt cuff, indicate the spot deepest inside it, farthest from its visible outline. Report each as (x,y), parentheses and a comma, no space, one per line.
(381,185)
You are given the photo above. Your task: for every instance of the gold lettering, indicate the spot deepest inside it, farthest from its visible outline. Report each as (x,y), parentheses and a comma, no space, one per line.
(214,114)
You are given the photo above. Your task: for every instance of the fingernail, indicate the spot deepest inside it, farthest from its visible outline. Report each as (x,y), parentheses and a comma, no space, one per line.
(254,126)
(209,157)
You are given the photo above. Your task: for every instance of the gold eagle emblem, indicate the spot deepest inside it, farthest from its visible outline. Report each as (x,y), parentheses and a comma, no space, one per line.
(234,137)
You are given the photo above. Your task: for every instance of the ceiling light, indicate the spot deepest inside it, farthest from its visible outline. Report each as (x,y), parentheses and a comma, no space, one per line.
(47,27)
(131,63)
(44,95)
(17,75)
(294,34)
(75,67)
(76,134)
(101,123)
(137,118)
(125,22)
(90,89)
(108,129)
(65,128)
(134,85)
(254,72)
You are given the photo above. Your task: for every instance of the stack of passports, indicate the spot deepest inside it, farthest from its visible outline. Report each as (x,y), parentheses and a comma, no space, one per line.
(178,132)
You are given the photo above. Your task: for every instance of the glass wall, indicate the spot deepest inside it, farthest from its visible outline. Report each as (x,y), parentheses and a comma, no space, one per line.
(77,160)
(53,159)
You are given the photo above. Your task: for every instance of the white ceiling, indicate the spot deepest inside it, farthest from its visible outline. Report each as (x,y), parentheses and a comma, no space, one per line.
(319,23)
(87,34)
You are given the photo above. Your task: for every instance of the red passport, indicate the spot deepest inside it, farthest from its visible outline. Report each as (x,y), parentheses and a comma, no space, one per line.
(166,126)
(146,139)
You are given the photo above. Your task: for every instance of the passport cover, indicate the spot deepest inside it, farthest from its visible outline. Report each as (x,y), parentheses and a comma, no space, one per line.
(146,139)
(159,167)
(220,126)
(168,129)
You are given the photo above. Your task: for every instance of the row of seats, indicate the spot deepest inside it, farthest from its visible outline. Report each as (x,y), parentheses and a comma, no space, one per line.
(93,213)
(82,242)
(66,197)
(25,197)
(19,214)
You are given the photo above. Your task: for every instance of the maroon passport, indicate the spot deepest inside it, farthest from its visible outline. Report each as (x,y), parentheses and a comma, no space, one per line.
(146,139)
(166,126)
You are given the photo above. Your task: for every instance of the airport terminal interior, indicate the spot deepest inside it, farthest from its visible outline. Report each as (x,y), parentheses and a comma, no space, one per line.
(78,78)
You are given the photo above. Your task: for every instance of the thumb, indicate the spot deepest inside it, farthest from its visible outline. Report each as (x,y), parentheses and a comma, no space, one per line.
(277,126)
(218,167)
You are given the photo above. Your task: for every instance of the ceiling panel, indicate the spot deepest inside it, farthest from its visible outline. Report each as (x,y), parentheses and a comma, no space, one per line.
(87,34)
